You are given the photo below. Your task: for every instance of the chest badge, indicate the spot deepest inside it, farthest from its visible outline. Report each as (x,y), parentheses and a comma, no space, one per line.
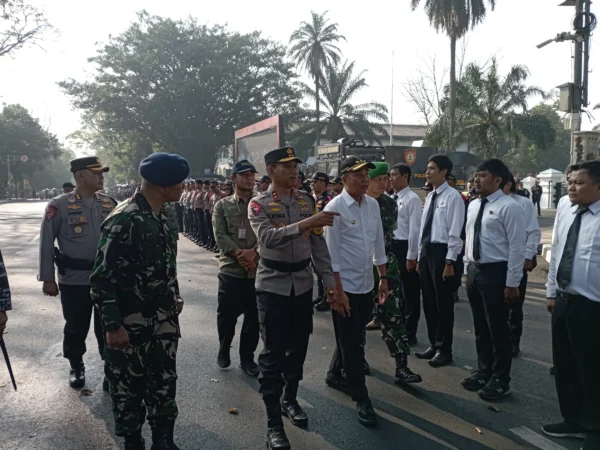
(77,230)
(353,222)
(305,209)
(74,207)
(272,204)
(71,199)
(302,202)
(275,210)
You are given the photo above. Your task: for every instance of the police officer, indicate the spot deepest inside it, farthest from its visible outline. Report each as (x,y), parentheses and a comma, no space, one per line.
(74,220)
(319,183)
(338,186)
(237,270)
(67,187)
(214,198)
(199,212)
(289,233)
(264,183)
(207,215)
(134,283)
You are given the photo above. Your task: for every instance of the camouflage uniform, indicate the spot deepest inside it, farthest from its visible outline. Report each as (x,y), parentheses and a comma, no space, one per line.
(390,314)
(134,282)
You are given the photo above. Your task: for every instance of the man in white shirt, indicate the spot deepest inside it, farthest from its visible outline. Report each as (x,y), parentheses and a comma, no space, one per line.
(573,292)
(533,236)
(440,244)
(355,243)
(406,246)
(495,254)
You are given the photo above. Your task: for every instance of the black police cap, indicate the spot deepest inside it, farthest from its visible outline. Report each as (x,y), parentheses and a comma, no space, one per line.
(265,179)
(354,163)
(88,163)
(68,184)
(281,155)
(321,176)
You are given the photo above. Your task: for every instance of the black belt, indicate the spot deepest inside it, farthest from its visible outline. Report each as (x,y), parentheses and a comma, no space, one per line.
(77,264)
(489,266)
(572,299)
(285,267)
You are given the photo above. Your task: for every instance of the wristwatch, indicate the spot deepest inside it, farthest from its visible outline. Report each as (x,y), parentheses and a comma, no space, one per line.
(449,262)
(384,277)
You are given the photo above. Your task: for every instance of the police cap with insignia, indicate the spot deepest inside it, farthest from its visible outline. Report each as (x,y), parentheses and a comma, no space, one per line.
(337,180)
(281,155)
(265,179)
(68,184)
(321,176)
(88,163)
(242,166)
(354,163)
(164,169)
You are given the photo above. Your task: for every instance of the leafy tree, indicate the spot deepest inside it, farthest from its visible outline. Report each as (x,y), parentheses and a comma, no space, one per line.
(339,117)
(185,87)
(455,18)
(22,135)
(20,25)
(55,172)
(492,110)
(314,48)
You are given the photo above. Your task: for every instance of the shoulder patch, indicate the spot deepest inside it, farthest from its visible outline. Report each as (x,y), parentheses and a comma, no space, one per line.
(255,207)
(50,211)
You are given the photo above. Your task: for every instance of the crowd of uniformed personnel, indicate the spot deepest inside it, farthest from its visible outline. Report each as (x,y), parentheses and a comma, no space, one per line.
(375,249)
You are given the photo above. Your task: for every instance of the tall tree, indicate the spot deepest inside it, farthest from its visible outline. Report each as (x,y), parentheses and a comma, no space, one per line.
(492,110)
(455,18)
(314,48)
(20,25)
(185,87)
(339,117)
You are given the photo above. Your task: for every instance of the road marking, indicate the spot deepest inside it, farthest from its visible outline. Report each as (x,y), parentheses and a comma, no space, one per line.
(537,361)
(536,439)
(304,403)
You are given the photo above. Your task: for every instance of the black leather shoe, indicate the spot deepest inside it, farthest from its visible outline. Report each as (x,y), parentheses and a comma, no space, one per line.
(293,411)
(276,439)
(339,384)
(135,442)
(224,360)
(427,354)
(77,377)
(105,385)
(250,368)
(515,350)
(162,439)
(440,359)
(406,376)
(323,305)
(365,413)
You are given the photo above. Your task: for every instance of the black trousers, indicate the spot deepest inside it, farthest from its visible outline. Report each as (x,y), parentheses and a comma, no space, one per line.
(575,337)
(411,289)
(537,202)
(515,312)
(77,310)
(236,297)
(438,304)
(349,353)
(209,228)
(485,289)
(286,323)
(201,225)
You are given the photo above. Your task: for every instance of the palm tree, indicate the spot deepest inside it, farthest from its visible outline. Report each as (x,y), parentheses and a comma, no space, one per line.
(455,18)
(339,118)
(314,47)
(491,110)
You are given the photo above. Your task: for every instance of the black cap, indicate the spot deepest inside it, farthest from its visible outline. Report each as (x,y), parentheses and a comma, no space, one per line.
(206,182)
(68,184)
(337,180)
(88,163)
(451,177)
(354,163)
(242,166)
(322,176)
(199,181)
(214,182)
(281,155)
(302,176)
(265,179)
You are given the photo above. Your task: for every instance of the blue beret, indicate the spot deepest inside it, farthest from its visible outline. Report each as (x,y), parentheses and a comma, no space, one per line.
(164,169)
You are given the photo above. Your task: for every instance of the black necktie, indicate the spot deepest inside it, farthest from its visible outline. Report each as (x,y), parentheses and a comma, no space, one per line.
(477,235)
(395,196)
(565,268)
(426,237)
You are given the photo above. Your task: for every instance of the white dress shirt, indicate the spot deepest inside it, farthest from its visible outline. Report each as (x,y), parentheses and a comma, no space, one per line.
(533,234)
(355,241)
(502,236)
(564,202)
(585,278)
(410,209)
(448,219)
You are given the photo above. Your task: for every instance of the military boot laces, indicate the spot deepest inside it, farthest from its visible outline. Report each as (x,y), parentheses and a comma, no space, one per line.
(135,442)
(403,374)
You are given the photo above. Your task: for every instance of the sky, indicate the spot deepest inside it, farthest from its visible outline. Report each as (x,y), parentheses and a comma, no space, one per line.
(374,30)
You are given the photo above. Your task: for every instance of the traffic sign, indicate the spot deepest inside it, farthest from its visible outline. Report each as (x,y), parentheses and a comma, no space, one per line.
(24,158)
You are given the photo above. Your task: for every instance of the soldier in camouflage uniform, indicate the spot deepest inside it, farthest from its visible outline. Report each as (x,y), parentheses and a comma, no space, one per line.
(134,283)
(389,313)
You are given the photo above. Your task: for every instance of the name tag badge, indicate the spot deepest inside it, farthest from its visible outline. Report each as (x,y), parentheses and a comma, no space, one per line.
(241,233)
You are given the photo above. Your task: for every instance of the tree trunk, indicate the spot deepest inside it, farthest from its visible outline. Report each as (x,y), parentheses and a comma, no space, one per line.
(452,116)
(317,109)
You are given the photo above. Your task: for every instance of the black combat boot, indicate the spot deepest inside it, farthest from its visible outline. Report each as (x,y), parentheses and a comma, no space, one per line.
(162,438)
(135,441)
(276,438)
(290,407)
(77,375)
(403,374)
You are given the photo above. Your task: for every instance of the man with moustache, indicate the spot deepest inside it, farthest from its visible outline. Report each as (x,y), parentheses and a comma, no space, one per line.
(319,183)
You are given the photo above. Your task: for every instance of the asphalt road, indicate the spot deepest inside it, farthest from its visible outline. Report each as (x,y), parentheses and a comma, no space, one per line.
(437,414)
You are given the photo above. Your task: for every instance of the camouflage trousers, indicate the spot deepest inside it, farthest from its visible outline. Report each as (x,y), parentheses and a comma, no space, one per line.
(144,377)
(393,323)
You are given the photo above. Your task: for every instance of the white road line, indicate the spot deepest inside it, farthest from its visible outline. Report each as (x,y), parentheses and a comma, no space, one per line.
(536,439)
